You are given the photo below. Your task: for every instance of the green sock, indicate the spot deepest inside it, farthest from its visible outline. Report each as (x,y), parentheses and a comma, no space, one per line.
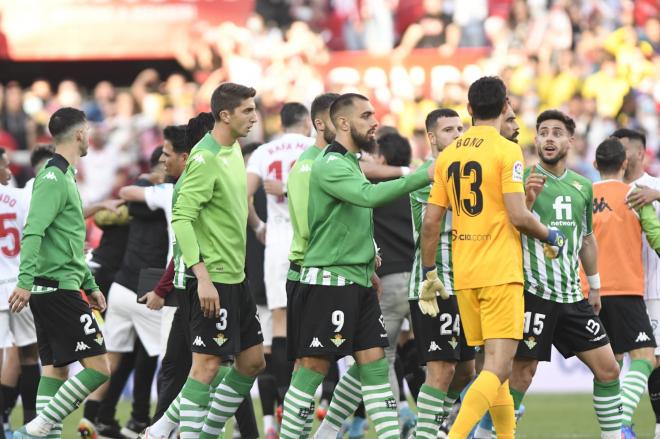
(450,400)
(517,396)
(633,386)
(430,411)
(607,404)
(47,389)
(71,394)
(379,399)
(228,394)
(298,403)
(194,406)
(173,411)
(345,399)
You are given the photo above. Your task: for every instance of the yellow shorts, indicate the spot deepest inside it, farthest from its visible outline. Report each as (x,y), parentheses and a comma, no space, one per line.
(496,311)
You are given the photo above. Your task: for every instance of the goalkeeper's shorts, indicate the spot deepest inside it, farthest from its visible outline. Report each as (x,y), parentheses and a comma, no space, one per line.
(496,311)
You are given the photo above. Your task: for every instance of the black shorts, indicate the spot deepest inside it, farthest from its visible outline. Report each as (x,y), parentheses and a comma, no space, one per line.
(291,328)
(627,323)
(66,329)
(336,321)
(236,329)
(571,327)
(440,338)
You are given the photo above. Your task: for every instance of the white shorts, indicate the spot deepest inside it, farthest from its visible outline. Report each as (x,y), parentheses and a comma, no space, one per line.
(653,308)
(17,329)
(167,316)
(276,264)
(266,320)
(127,318)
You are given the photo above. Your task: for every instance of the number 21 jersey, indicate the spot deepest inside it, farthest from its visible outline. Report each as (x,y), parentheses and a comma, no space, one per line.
(14,206)
(471,177)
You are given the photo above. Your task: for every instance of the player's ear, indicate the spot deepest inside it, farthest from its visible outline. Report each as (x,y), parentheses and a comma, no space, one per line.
(596,166)
(319,125)
(625,164)
(469,108)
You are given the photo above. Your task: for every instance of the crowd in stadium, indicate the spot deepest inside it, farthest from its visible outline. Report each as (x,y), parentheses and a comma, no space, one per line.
(570,89)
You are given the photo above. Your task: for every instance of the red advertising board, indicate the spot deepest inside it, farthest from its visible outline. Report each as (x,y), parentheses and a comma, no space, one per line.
(48,30)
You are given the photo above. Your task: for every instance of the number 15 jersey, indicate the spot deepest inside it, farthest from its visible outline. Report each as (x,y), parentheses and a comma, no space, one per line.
(14,206)
(471,177)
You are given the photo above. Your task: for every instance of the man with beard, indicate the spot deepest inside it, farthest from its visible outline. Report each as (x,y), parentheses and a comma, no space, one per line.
(336,309)
(480,176)
(52,273)
(556,312)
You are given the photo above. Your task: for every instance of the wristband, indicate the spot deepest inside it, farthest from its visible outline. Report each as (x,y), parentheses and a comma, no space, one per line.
(405,170)
(594,281)
(426,270)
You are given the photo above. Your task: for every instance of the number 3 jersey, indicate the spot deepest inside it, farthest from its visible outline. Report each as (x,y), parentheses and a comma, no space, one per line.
(471,177)
(14,206)
(565,203)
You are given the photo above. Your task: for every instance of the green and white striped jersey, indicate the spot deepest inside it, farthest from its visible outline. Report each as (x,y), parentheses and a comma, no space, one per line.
(319,276)
(566,202)
(418,202)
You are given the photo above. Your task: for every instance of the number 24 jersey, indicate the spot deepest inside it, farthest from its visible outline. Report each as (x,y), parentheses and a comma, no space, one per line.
(471,177)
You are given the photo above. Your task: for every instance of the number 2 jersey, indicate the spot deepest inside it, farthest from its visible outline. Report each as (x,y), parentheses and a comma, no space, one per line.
(471,177)
(14,206)
(565,203)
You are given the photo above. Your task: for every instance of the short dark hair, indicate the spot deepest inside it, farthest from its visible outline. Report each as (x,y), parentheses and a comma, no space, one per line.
(197,128)
(228,96)
(155,156)
(630,134)
(250,148)
(568,122)
(344,101)
(40,153)
(292,113)
(63,120)
(487,96)
(610,155)
(395,148)
(322,103)
(176,135)
(432,118)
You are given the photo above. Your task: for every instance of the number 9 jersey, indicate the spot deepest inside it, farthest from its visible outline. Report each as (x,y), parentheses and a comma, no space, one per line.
(471,177)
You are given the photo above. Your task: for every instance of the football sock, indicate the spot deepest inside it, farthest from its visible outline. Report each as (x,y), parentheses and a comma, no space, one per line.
(477,401)
(47,389)
(501,411)
(346,398)
(430,411)
(298,402)
(654,393)
(633,386)
(607,404)
(378,398)
(27,385)
(227,397)
(193,410)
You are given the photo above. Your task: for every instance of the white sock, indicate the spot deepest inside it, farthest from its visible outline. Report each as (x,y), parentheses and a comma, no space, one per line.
(610,435)
(482,433)
(268,422)
(38,426)
(326,431)
(657,428)
(162,427)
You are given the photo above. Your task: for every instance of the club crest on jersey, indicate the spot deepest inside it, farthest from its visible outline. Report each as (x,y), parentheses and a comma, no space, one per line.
(50,176)
(99,339)
(577,185)
(338,340)
(453,342)
(220,339)
(531,342)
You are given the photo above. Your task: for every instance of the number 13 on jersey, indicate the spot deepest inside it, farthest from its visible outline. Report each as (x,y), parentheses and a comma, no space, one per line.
(465,182)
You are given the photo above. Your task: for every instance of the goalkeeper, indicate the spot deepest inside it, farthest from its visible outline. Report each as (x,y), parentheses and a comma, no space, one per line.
(480,176)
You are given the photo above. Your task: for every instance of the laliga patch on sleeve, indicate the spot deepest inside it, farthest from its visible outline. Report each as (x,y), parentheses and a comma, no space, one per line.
(517,174)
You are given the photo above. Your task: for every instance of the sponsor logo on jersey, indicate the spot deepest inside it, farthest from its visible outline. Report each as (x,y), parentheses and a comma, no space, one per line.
(99,339)
(453,342)
(563,211)
(306,168)
(469,236)
(600,206)
(220,339)
(434,347)
(338,340)
(642,336)
(198,342)
(81,346)
(316,343)
(531,342)
(517,173)
(50,176)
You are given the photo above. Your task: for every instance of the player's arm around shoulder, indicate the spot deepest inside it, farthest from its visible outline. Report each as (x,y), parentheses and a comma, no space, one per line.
(650,225)
(196,188)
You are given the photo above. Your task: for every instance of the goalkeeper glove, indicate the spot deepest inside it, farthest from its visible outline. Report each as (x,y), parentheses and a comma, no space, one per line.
(431,286)
(554,243)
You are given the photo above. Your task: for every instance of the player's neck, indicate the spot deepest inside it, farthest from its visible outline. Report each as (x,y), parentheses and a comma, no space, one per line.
(320,141)
(557,169)
(303,131)
(223,135)
(69,152)
(495,123)
(618,176)
(635,175)
(347,143)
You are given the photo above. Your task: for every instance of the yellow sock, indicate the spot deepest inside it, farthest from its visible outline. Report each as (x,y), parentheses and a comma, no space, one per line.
(501,411)
(478,399)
